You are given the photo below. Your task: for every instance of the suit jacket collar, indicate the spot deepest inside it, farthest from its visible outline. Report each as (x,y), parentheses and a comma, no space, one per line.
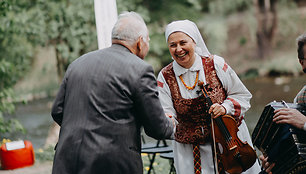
(120,47)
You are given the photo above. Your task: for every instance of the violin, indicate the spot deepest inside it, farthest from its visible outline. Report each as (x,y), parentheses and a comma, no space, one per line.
(236,156)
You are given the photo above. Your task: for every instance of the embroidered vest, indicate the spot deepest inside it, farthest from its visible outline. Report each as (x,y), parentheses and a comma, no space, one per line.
(192,114)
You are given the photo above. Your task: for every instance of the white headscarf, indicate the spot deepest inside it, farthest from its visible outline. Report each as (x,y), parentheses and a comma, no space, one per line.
(191,29)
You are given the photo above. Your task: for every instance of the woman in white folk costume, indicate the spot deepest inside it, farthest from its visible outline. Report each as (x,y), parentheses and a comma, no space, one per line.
(178,86)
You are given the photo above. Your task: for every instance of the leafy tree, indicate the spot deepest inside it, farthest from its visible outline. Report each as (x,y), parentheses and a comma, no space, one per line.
(70,28)
(18,36)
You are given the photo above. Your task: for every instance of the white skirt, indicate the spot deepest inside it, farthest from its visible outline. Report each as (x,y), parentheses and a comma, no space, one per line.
(183,156)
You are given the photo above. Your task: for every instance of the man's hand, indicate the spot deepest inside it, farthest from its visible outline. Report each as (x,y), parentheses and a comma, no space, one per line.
(174,122)
(289,116)
(217,110)
(266,165)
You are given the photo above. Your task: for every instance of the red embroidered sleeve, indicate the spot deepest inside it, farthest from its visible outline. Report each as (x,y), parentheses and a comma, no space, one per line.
(237,108)
(225,66)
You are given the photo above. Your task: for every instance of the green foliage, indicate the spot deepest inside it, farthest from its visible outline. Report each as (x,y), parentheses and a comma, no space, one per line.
(228,7)
(9,126)
(70,27)
(242,40)
(6,105)
(17,38)
(214,32)
(46,154)
(24,24)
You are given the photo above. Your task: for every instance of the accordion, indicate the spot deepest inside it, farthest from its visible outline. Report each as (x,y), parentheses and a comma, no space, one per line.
(284,144)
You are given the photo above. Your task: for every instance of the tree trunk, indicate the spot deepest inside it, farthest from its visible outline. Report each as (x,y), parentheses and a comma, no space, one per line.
(61,64)
(266,15)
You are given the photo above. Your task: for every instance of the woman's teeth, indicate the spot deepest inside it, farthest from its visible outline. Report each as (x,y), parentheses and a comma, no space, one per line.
(181,55)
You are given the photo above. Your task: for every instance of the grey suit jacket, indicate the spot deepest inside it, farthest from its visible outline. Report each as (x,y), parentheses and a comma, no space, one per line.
(104,99)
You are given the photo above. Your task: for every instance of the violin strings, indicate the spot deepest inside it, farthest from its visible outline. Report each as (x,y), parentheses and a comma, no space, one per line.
(226,134)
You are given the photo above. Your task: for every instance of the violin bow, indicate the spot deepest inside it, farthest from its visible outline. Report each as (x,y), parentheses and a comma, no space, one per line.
(205,93)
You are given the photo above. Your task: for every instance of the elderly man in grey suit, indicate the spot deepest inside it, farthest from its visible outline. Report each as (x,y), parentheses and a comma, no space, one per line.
(105,98)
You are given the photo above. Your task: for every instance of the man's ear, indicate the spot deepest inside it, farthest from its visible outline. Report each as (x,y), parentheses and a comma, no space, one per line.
(139,44)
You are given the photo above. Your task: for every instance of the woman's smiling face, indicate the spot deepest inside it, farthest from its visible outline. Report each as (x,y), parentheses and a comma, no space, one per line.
(182,49)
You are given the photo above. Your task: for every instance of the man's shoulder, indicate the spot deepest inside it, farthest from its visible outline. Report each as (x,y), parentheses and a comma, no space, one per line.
(302,92)
(113,51)
(114,55)
(301,96)
(121,51)
(89,54)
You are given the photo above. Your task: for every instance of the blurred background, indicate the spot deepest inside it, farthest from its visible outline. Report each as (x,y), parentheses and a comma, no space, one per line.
(39,39)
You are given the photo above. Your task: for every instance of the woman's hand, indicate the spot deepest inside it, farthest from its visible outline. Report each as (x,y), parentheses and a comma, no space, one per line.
(266,165)
(217,110)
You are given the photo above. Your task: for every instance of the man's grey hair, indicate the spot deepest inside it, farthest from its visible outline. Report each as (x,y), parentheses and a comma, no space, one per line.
(301,41)
(129,27)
